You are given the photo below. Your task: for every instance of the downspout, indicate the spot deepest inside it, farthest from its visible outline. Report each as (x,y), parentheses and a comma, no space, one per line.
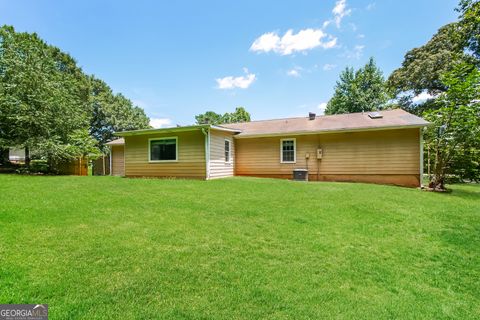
(110,160)
(421,157)
(206,132)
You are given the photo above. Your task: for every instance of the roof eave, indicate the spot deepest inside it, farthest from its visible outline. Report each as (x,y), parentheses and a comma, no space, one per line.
(174,129)
(300,133)
(220,128)
(160,130)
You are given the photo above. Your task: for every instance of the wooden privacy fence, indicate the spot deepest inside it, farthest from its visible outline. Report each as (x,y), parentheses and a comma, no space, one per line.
(77,167)
(101,166)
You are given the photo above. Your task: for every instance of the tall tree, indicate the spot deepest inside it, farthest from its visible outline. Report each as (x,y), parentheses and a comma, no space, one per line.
(423,67)
(239,115)
(455,129)
(50,107)
(447,68)
(363,90)
(470,24)
(210,117)
(43,94)
(112,113)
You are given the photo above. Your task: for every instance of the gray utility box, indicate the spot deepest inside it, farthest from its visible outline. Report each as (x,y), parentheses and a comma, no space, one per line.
(300,174)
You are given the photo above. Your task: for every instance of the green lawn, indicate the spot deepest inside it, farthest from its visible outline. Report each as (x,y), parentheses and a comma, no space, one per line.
(244,248)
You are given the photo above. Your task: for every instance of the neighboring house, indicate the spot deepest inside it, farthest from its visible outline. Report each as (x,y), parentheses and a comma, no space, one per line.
(381,147)
(16,155)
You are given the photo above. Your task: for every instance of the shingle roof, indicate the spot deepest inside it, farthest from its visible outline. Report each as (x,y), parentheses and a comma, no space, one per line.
(397,118)
(116,142)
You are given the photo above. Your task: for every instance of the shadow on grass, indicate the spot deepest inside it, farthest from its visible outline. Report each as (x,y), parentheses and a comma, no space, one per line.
(466,191)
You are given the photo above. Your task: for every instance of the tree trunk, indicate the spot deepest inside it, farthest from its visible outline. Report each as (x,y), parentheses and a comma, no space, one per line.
(428,166)
(4,156)
(27,156)
(438,181)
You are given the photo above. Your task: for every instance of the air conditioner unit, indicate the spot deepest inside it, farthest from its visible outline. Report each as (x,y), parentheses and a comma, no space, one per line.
(300,174)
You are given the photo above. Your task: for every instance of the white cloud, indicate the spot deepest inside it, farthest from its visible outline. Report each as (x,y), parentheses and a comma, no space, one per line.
(160,122)
(305,39)
(331,43)
(340,11)
(356,53)
(422,97)
(293,73)
(322,106)
(359,48)
(328,66)
(361,36)
(266,42)
(370,6)
(242,82)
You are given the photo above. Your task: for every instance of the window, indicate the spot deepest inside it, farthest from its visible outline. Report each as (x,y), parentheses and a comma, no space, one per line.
(287,151)
(227,150)
(163,149)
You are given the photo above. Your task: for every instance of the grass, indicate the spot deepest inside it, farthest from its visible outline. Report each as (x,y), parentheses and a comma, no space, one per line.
(240,248)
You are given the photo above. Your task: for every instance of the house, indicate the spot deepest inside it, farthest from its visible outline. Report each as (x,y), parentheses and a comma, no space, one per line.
(380,147)
(16,155)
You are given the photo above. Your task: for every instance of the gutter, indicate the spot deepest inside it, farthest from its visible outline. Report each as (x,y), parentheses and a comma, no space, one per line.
(421,157)
(161,130)
(220,128)
(174,129)
(110,160)
(206,132)
(302,133)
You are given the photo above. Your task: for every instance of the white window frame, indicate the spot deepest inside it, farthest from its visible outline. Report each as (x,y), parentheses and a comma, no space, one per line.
(229,151)
(159,139)
(294,150)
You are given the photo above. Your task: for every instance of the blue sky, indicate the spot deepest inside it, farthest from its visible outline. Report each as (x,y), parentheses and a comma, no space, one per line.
(278,59)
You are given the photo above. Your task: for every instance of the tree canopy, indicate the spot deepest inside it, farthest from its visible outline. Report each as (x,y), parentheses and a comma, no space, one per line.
(357,91)
(50,107)
(423,67)
(470,24)
(447,67)
(111,113)
(211,117)
(43,94)
(454,133)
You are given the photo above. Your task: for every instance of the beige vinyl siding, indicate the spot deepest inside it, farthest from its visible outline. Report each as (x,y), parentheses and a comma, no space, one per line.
(218,167)
(118,161)
(190,163)
(262,155)
(351,155)
(380,152)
